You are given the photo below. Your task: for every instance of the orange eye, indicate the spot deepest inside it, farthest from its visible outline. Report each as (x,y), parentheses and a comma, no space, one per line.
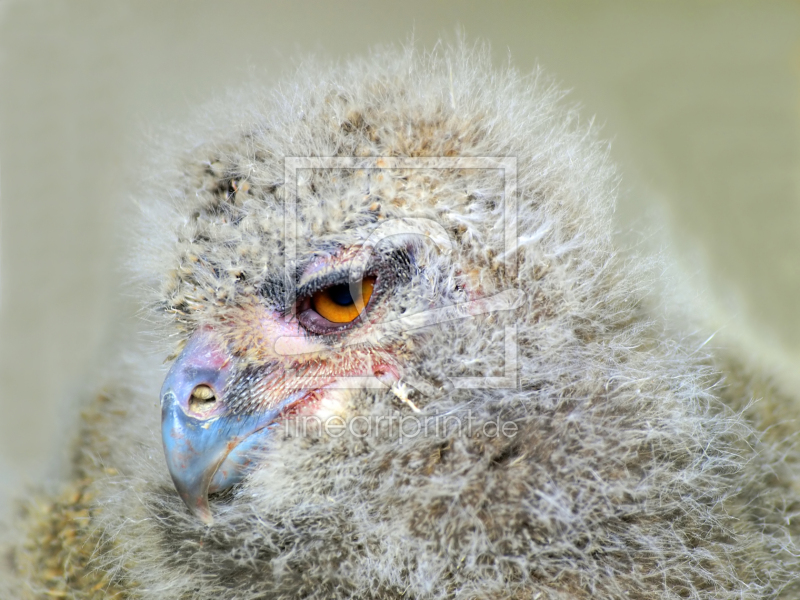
(336,303)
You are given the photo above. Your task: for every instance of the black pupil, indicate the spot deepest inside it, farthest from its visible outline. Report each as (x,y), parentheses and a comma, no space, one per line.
(340,294)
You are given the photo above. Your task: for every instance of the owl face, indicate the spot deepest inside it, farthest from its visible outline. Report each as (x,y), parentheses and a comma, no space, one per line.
(291,311)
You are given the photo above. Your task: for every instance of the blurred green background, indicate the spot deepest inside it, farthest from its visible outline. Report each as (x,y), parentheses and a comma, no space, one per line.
(700,100)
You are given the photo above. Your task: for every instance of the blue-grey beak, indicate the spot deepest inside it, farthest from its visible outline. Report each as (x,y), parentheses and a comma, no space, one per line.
(207,445)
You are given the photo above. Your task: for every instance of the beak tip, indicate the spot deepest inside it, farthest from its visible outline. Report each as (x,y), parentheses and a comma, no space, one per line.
(204,514)
(198,506)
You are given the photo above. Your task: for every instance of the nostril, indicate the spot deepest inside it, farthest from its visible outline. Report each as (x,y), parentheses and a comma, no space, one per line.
(202,400)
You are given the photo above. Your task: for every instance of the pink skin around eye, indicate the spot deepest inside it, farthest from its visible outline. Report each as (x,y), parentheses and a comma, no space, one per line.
(265,335)
(277,326)
(327,390)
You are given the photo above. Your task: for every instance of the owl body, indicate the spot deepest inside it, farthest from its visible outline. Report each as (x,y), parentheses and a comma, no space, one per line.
(508,416)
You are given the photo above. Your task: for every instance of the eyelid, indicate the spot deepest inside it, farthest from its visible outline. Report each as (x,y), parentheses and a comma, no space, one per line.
(336,276)
(333,269)
(322,283)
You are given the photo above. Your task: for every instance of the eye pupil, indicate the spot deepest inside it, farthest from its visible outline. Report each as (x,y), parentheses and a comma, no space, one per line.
(340,294)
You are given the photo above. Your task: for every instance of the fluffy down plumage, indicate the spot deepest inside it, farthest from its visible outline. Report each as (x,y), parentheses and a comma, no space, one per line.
(632,464)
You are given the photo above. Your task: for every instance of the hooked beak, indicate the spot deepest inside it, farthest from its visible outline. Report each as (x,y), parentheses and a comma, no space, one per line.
(206,444)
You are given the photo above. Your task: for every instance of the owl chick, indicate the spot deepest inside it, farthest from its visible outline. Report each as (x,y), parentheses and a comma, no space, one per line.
(407,360)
